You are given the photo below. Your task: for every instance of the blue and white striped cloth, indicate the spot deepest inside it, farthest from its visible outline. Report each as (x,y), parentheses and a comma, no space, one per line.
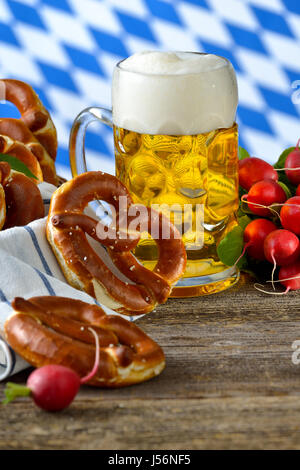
(29,268)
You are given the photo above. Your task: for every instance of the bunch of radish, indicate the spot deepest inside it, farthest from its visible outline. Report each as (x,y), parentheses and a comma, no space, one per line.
(270,217)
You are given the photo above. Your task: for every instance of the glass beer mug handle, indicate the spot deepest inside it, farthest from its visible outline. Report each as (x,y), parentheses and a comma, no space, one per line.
(77,136)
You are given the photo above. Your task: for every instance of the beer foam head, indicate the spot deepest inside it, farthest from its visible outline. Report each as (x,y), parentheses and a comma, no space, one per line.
(174,93)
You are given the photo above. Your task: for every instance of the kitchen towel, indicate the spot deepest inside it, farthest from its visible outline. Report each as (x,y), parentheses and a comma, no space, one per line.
(29,268)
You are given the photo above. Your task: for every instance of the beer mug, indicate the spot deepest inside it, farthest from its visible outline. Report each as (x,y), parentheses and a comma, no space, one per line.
(176,147)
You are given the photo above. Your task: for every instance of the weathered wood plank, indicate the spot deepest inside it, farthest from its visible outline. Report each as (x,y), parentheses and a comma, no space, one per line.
(229,383)
(230,423)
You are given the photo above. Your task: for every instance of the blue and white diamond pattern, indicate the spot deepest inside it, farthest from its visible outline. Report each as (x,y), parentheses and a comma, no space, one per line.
(66,49)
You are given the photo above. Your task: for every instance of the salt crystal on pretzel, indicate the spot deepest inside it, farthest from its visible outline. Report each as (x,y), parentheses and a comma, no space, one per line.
(120,282)
(54,330)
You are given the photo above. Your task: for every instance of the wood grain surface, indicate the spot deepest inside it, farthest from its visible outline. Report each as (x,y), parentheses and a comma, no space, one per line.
(229,383)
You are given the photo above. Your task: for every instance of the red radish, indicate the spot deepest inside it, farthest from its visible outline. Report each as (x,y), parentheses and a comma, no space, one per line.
(298,191)
(53,387)
(254,237)
(282,248)
(293,161)
(264,193)
(289,276)
(252,170)
(290,215)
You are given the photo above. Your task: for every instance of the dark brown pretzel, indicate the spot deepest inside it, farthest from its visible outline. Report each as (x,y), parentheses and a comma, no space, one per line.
(84,269)
(33,113)
(54,330)
(19,132)
(22,198)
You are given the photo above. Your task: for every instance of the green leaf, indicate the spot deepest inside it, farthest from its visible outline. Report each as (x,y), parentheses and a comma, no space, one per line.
(231,247)
(286,189)
(279,165)
(243,153)
(17,165)
(13,391)
(281,160)
(244,221)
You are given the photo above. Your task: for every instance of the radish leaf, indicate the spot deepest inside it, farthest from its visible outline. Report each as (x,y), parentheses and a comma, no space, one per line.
(17,165)
(244,221)
(281,174)
(231,247)
(13,391)
(281,160)
(286,189)
(243,153)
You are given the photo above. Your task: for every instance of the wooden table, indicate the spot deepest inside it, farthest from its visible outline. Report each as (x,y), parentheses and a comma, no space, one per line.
(229,383)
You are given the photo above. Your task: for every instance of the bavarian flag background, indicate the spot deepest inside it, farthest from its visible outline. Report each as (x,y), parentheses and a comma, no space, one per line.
(66,49)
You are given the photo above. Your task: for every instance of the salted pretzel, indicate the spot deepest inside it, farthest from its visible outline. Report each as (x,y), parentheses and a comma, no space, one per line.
(22,153)
(16,130)
(20,199)
(120,282)
(33,113)
(54,330)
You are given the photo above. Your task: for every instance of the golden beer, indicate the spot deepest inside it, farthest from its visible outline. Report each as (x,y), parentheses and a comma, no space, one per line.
(185,169)
(176,144)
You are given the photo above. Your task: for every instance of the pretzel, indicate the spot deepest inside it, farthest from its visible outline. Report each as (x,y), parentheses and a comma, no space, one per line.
(22,153)
(54,330)
(2,201)
(33,113)
(21,197)
(141,289)
(18,131)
